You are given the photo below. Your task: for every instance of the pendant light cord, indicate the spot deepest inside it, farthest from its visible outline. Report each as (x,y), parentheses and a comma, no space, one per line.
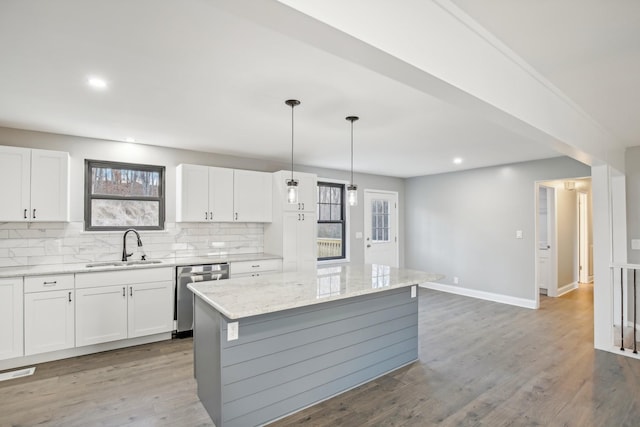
(292,105)
(351,152)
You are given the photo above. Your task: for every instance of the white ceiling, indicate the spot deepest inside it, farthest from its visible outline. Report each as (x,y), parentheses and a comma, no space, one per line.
(195,77)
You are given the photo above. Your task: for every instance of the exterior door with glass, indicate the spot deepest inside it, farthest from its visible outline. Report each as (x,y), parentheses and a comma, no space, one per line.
(381,228)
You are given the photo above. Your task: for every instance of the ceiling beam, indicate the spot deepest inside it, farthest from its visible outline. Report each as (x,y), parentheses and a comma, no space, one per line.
(434,47)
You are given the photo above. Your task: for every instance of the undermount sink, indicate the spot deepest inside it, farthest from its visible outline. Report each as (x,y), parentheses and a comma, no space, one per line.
(123,263)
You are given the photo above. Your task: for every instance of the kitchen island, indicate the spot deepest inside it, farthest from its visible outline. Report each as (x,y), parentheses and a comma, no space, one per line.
(268,346)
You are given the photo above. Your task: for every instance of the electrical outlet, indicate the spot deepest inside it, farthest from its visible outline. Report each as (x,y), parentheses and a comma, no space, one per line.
(414,291)
(232,331)
(518,234)
(455,280)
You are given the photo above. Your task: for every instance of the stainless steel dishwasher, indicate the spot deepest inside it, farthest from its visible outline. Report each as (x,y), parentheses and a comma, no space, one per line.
(183,314)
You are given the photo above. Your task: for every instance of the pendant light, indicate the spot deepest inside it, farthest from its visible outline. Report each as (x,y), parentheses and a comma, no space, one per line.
(352,189)
(292,184)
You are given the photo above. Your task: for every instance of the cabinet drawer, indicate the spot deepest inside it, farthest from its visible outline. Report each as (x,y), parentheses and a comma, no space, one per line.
(264,265)
(124,277)
(48,283)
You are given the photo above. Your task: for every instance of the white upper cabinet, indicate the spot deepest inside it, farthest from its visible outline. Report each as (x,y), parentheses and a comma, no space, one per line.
(307,190)
(39,189)
(221,181)
(206,194)
(252,194)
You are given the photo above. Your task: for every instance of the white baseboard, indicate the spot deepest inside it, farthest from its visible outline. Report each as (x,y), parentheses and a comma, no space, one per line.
(80,351)
(616,350)
(489,296)
(567,288)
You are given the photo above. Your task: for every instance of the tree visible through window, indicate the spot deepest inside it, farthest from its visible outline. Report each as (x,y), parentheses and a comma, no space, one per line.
(331,221)
(123,195)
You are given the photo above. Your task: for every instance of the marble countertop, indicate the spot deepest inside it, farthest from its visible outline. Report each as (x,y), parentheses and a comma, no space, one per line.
(252,296)
(40,270)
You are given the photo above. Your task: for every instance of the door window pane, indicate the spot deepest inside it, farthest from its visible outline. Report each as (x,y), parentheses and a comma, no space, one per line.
(380,220)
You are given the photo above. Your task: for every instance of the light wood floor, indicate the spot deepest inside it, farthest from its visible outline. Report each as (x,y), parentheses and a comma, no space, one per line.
(481,364)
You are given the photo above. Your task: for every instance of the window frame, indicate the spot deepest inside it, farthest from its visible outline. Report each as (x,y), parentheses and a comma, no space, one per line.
(345,218)
(88,197)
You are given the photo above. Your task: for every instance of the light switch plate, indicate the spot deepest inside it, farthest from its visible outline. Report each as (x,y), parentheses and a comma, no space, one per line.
(232,331)
(518,234)
(635,244)
(414,291)
(358,234)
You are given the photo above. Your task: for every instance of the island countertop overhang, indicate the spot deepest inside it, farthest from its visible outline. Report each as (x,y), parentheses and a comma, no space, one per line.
(253,296)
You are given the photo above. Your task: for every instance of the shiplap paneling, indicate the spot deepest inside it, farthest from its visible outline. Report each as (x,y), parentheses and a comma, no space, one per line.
(285,361)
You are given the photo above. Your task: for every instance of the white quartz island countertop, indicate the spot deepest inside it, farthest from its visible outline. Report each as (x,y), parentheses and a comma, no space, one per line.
(252,296)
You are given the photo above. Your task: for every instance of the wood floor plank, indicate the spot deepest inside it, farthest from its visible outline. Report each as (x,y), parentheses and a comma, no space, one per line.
(481,364)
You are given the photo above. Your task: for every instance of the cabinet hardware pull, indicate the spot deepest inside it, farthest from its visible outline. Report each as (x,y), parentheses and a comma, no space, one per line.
(303,206)
(205,216)
(236,216)
(49,283)
(130,291)
(303,217)
(255,266)
(25,214)
(211,215)
(34,214)
(124,292)
(298,206)
(69,296)
(298,217)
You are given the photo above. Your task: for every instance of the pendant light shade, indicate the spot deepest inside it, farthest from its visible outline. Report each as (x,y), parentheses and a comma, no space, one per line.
(292,184)
(352,189)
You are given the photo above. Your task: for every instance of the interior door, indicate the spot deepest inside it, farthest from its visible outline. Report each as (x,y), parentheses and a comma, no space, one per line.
(380,228)
(546,241)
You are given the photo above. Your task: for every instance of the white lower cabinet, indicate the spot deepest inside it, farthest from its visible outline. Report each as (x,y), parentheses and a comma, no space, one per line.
(49,313)
(101,315)
(254,268)
(137,303)
(11,310)
(150,308)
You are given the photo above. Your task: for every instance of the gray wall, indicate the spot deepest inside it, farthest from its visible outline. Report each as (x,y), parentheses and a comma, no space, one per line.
(464,224)
(632,159)
(87,148)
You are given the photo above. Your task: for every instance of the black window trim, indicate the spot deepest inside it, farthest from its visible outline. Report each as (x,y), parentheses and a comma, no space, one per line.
(88,197)
(344,219)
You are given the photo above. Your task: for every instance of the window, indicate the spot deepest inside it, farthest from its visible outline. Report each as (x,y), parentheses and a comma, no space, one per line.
(123,195)
(331,221)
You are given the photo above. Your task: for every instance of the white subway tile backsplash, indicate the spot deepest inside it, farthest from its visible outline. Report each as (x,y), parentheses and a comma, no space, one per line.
(24,244)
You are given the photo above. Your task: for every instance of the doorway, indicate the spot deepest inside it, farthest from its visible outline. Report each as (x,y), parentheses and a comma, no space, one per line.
(546,277)
(381,227)
(584,251)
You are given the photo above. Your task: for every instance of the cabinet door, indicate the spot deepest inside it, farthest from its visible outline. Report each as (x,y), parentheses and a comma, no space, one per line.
(307,191)
(252,196)
(221,194)
(192,193)
(15,176)
(101,315)
(49,186)
(11,332)
(299,242)
(48,321)
(150,308)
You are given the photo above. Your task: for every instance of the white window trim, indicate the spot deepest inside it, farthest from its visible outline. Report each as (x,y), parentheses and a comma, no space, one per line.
(347,240)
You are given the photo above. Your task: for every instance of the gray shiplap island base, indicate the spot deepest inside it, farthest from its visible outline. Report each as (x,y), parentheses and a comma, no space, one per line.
(302,337)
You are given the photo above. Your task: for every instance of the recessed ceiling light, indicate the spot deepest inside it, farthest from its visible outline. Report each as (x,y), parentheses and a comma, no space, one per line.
(129,139)
(457,160)
(97,83)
